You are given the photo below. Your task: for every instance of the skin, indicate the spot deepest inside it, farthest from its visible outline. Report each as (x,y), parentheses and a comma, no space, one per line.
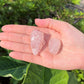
(71,55)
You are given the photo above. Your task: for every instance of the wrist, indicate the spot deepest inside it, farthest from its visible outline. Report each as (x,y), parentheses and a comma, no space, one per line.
(81,61)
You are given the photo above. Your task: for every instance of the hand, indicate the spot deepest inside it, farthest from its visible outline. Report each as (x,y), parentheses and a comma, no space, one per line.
(71,55)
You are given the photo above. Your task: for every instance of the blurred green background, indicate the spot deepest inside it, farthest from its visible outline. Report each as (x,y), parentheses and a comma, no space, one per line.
(25,11)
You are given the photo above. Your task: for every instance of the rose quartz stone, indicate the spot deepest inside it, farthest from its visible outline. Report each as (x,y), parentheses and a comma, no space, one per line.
(54,46)
(37,41)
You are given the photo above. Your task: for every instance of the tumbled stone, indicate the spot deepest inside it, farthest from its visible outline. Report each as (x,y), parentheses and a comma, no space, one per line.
(54,45)
(37,41)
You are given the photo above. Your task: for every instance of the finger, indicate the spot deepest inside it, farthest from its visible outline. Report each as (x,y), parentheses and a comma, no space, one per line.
(26,57)
(16,46)
(21,38)
(59,26)
(24,29)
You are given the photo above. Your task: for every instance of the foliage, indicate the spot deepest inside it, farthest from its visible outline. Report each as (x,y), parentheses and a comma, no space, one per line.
(10,68)
(80,75)
(32,73)
(77,2)
(42,75)
(72,78)
(24,12)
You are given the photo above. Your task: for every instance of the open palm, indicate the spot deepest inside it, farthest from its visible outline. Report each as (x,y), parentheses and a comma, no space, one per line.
(70,56)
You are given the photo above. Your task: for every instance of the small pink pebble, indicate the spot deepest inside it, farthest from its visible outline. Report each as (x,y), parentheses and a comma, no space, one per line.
(37,41)
(54,46)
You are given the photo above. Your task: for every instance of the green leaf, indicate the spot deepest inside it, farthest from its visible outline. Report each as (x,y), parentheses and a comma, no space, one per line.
(12,81)
(72,78)
(40,75)
(12,68)
(77,2)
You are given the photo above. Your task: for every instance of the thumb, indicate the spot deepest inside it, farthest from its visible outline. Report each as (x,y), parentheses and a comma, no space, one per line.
(56,25)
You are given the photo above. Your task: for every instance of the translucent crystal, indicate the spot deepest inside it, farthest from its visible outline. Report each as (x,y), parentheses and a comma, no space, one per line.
(54,46)
(37,41)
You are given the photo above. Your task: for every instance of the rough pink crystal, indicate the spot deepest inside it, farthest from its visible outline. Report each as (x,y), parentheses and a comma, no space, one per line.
(37,41)
(54,46)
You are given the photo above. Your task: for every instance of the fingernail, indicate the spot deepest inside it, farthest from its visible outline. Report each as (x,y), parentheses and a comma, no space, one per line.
(54,46)
(37,41)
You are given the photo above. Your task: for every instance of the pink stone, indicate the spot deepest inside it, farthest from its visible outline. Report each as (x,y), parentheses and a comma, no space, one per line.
(54,46)
(37,41)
